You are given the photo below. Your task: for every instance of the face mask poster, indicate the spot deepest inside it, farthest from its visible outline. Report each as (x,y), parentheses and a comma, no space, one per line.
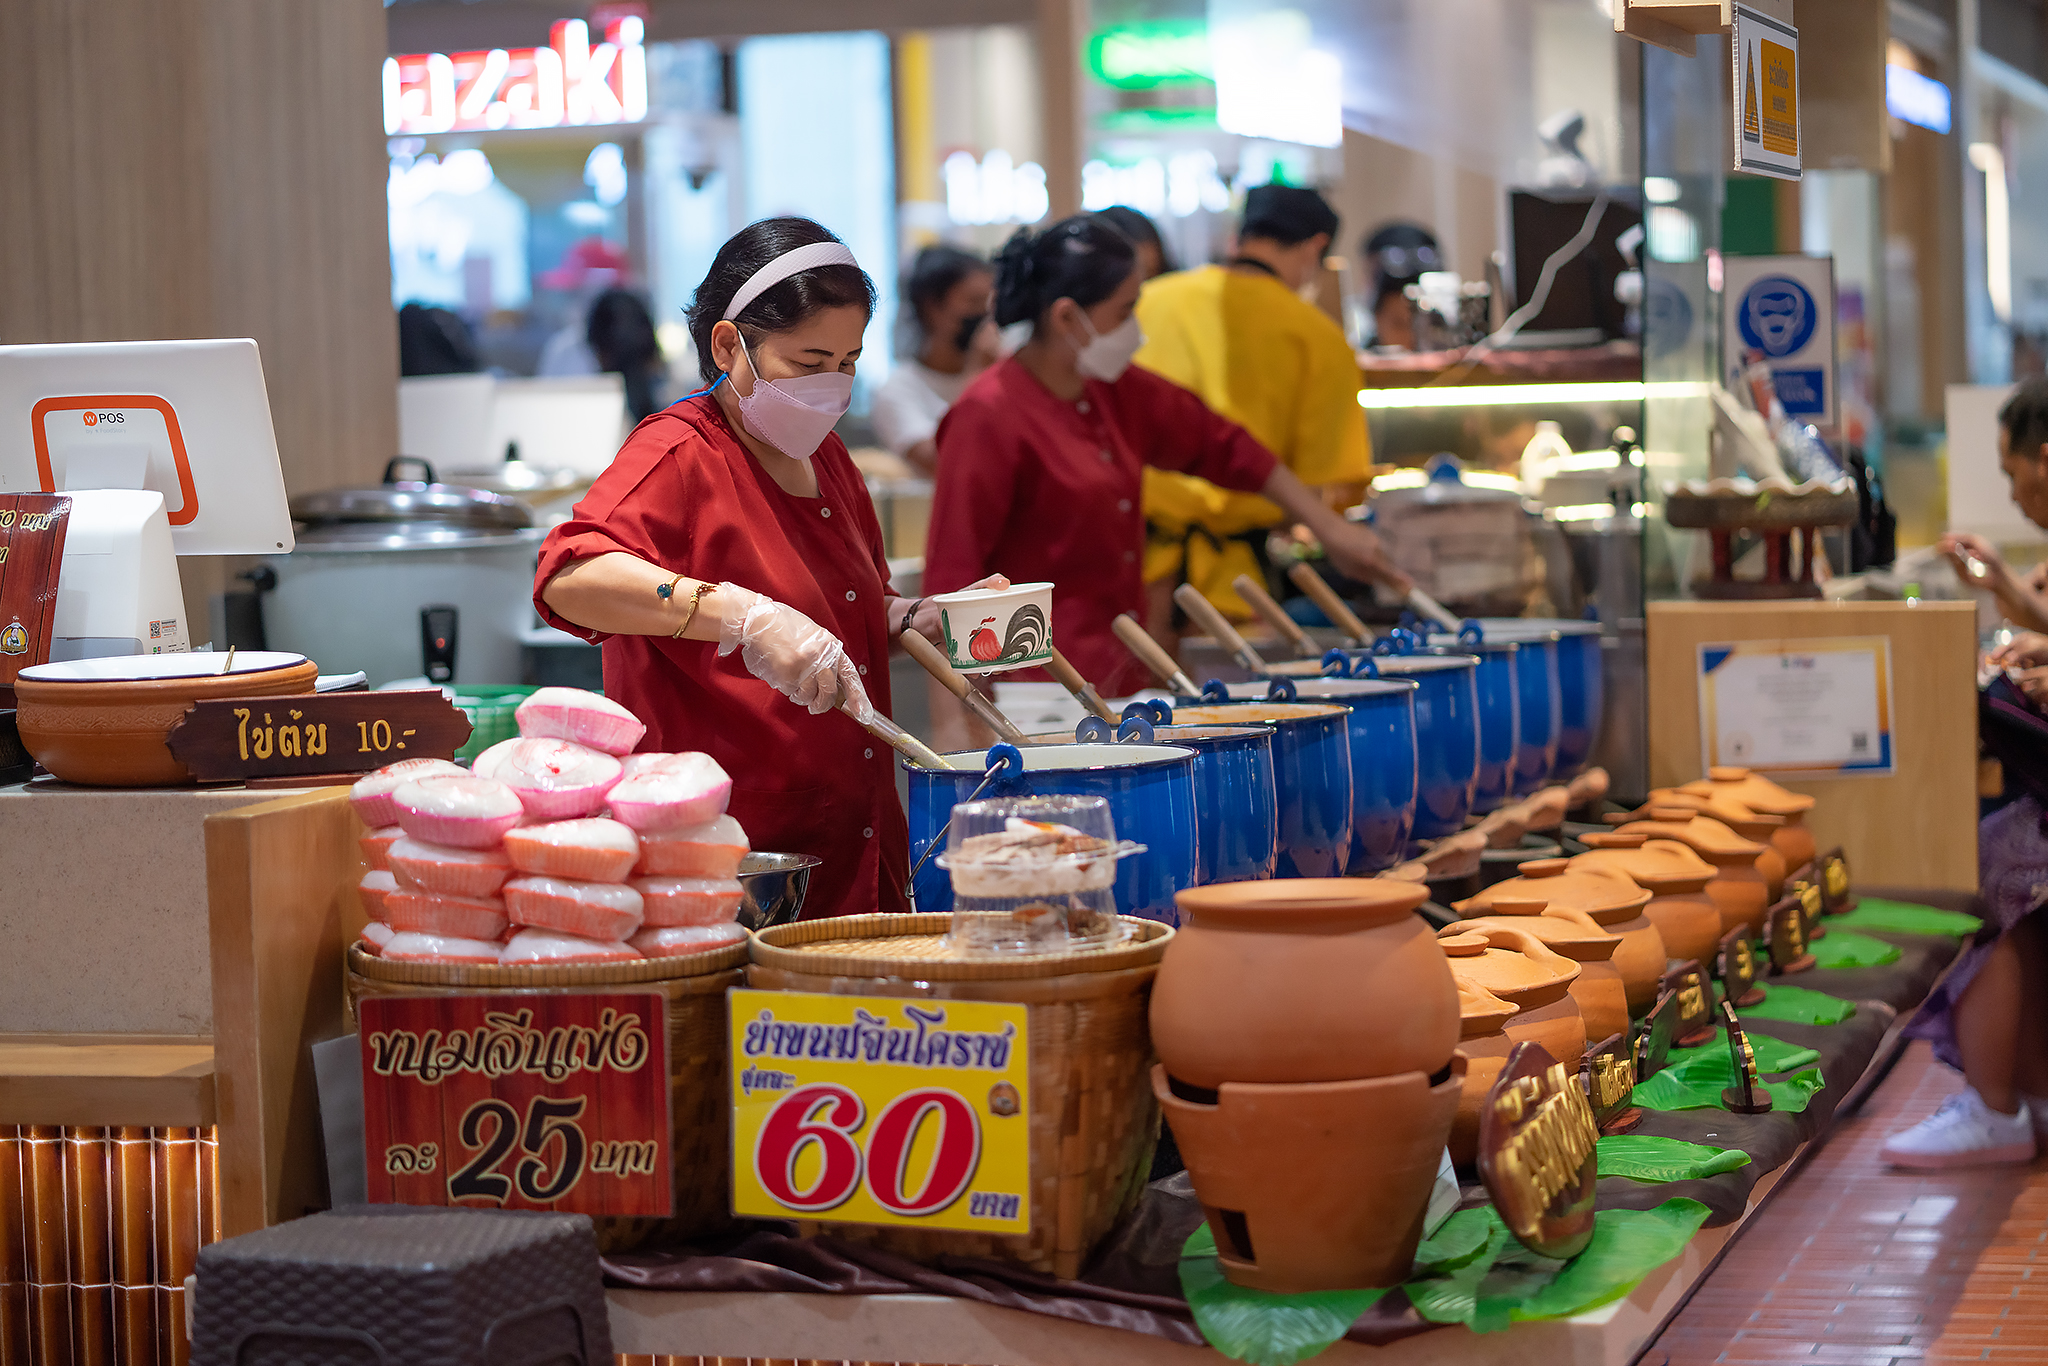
(1780,311)
(1818,707)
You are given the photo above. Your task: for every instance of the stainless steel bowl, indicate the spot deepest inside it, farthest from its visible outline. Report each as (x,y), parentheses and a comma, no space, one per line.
(772,888)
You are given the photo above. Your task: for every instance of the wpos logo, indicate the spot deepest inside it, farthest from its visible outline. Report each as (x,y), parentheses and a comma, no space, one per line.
(94,419)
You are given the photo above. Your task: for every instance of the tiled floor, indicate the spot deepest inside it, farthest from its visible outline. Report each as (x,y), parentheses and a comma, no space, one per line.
(1854,1264)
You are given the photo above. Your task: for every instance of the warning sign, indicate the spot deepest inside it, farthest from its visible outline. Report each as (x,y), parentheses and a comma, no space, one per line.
(1766,72)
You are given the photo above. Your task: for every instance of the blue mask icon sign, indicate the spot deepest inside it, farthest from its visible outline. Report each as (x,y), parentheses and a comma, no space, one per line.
(1777,316)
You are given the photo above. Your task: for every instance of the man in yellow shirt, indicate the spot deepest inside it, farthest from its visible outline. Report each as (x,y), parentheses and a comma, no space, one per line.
(1242,336)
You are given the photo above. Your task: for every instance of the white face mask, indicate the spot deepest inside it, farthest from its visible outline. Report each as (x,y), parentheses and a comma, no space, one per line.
(1108,354)
(793,415)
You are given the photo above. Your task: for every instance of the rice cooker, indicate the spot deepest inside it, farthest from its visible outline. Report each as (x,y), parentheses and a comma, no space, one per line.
(407,579)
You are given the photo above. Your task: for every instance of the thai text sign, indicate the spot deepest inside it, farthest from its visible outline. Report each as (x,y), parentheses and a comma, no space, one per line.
(1766,72)
(881,1110)
(556,1102)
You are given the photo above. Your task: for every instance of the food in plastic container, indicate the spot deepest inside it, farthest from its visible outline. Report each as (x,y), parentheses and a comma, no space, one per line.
(688,900)
(377,885)
(594,910)
(464,812)
(376,844)
(713,849)
(443,868)
(664,791)
(464,917)
(371,796)
(590,850)
(1031,858)
(669,941)
(549,948)
(412,947)
(585,717)
(555,779)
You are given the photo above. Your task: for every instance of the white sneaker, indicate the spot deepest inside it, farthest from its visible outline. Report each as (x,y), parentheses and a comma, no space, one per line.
(2037,1106)
(1964,1132)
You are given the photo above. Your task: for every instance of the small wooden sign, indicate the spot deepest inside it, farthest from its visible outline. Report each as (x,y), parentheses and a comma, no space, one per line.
(1786,926)
(1536,1153)
(1695,992)
(1655,1036)
(554,1102)
(1735,964)
(1834,883)
(1812,910)
(1748,1095)
(32,527)
(311,733)
(1608,1074)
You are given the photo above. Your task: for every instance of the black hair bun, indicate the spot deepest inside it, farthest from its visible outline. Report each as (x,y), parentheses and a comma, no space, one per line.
(1016,279)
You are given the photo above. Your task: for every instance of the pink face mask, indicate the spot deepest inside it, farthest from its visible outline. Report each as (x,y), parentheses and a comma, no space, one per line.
(793,415)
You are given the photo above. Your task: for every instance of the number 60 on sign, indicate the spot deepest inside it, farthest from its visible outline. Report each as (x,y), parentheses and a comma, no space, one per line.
(881,1110)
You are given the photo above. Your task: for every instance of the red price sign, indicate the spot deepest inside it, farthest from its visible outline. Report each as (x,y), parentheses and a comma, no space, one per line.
(557,1102)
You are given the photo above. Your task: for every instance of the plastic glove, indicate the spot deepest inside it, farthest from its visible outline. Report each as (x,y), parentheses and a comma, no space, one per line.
(1357,554)
(789,652)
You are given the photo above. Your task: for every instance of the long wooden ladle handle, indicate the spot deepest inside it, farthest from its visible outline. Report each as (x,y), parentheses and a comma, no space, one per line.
(1254,592)
(927,654)
(1083,691)
(1204,614)
(1139,642)
(1335,608)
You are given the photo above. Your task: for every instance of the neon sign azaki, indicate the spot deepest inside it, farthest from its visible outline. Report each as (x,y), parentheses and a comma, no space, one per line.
(567,83)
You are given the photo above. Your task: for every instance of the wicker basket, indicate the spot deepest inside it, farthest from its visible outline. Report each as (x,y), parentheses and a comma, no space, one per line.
(698,1058)
(1093,1118)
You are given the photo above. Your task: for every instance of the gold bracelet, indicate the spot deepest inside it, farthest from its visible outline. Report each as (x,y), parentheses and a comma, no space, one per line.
(665,591)
(696,600)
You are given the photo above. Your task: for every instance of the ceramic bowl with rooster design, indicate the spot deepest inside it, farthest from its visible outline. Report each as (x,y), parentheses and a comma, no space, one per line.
(993,630)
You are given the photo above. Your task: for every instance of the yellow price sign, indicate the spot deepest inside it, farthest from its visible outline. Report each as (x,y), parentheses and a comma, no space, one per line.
(881,1110)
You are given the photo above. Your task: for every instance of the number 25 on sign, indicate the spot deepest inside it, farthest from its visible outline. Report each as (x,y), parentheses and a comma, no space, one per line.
(881,1110)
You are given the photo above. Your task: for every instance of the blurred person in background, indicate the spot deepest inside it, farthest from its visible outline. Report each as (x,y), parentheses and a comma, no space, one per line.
(1400,254)
(434,341)
(1244,336)
(1040,461)
(1144,234)
(620,334)
(950,294)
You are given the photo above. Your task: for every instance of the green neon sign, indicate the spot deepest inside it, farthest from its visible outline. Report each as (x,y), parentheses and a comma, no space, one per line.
(1146,56)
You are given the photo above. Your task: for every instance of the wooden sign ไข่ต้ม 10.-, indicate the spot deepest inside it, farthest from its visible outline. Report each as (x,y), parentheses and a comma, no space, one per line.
(1608,1075)
(1748,1095)
(1537,1153)
(1657,1033)
(1696,998)
(312,733)
(1736,965)
(1834,883)
(1786,926)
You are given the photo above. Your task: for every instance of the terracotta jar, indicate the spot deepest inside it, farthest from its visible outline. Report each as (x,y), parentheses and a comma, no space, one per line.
(1738,889)
(1484,1045)
(1752,825)
(1603,1000)
(1792,839)
(1614,904)
(1676,879)
(1303,980)
(1514,965)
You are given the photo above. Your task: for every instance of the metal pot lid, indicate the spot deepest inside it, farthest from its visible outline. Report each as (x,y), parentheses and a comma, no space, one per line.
(424,501)
(336,537)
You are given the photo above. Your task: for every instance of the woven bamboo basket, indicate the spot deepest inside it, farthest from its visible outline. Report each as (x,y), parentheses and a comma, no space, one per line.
(698,1058)
(1093,1119)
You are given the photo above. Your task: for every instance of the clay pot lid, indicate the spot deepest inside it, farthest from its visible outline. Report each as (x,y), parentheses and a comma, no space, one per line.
(1480,1012)
(1574,934)
(1724,807)
(1755,791)
(1606,899)
(1325,905)
(1509,962)
(1707,837)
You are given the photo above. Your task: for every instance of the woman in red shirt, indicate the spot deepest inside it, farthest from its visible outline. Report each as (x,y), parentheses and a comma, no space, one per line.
(1039,461)
(732,543)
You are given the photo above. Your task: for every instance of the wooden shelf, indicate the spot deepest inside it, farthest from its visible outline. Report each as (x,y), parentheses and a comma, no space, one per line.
(94,1080)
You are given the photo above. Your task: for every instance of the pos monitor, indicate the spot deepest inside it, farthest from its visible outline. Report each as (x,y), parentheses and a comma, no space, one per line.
(165,449)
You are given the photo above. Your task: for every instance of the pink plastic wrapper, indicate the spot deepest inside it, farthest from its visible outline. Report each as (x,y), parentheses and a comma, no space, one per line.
(452,872)
(438,948)
(670,941)
(589,850)
(376,845)
(463,917)
(375,936)
(710,850)
(664,791)
(553,949)
(688,900)
(462,812)
(371,796)
(592,910)
(585,717)
(555,779)
(374,890)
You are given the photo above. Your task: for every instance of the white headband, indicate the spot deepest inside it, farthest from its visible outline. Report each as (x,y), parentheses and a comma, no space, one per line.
(788,264)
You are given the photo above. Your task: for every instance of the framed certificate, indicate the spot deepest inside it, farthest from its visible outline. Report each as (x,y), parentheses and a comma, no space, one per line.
(1818,707)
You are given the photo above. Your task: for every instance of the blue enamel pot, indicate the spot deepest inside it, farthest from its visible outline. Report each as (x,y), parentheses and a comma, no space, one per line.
(1446,732)
(1581,685)
(1497,684)
(1539,702)
(1383,767)
(1151,795)
(1311,752)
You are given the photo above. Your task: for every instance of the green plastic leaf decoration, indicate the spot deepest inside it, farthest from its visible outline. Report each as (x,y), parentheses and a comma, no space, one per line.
(1461,1238)
(1627,1246)
(1644,1157)
(1697,1084)
(1257,1326)
(1452,1296)
(1905,917)
(1847,949)
(1772,1055)
(1800,1005)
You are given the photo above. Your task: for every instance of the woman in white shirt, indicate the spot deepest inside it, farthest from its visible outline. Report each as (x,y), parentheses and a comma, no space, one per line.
(950,292)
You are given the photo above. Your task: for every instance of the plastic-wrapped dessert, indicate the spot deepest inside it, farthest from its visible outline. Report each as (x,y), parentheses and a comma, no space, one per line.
(1033,874)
